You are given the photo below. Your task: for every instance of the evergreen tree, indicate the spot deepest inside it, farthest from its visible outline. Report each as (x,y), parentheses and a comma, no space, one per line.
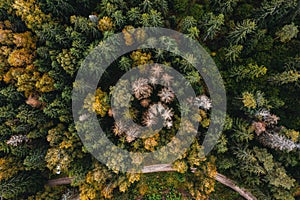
(241,31)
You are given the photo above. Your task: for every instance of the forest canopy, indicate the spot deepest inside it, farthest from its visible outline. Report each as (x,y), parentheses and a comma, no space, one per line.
(254,45)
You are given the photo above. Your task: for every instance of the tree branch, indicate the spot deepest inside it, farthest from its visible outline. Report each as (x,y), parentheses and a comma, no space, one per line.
(229,183)
(59,181)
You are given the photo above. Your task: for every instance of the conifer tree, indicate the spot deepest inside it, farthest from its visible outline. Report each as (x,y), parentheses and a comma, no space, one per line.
(241,31)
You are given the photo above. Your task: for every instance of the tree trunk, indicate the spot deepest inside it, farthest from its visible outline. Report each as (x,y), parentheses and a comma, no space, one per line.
(59,181)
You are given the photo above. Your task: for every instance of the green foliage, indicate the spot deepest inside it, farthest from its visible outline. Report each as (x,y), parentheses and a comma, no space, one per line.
(35,160)
(153,19)
(287,32)
(58,8)
(181,5)
(21,183)
(233,52)
(242,30)
(242,132)
(134,14)
(254,44)
(213,25)
(82,24)
(275,10)
(286,77)
(67,61)
(224,193)
(224,6)
(187,23)
(151,188)
(251,71)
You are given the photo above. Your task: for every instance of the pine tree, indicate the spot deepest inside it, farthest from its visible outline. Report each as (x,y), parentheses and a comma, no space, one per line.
(20,184)
(187,23)
(251,71)
(151,19)
(225,7)
(241,31)
(286,77)
(134,14)
(233,52)
(213,25)
(287,32)
(276,141)
(275,10)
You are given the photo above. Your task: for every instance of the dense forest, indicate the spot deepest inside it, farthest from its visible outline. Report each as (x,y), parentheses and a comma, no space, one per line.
(255,46)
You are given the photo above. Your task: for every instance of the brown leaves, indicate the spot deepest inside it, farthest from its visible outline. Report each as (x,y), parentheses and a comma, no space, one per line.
(33,101)
(259,127)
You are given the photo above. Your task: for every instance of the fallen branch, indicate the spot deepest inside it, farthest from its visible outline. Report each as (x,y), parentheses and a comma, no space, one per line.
(59,181)
(228,182)
(168,168)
